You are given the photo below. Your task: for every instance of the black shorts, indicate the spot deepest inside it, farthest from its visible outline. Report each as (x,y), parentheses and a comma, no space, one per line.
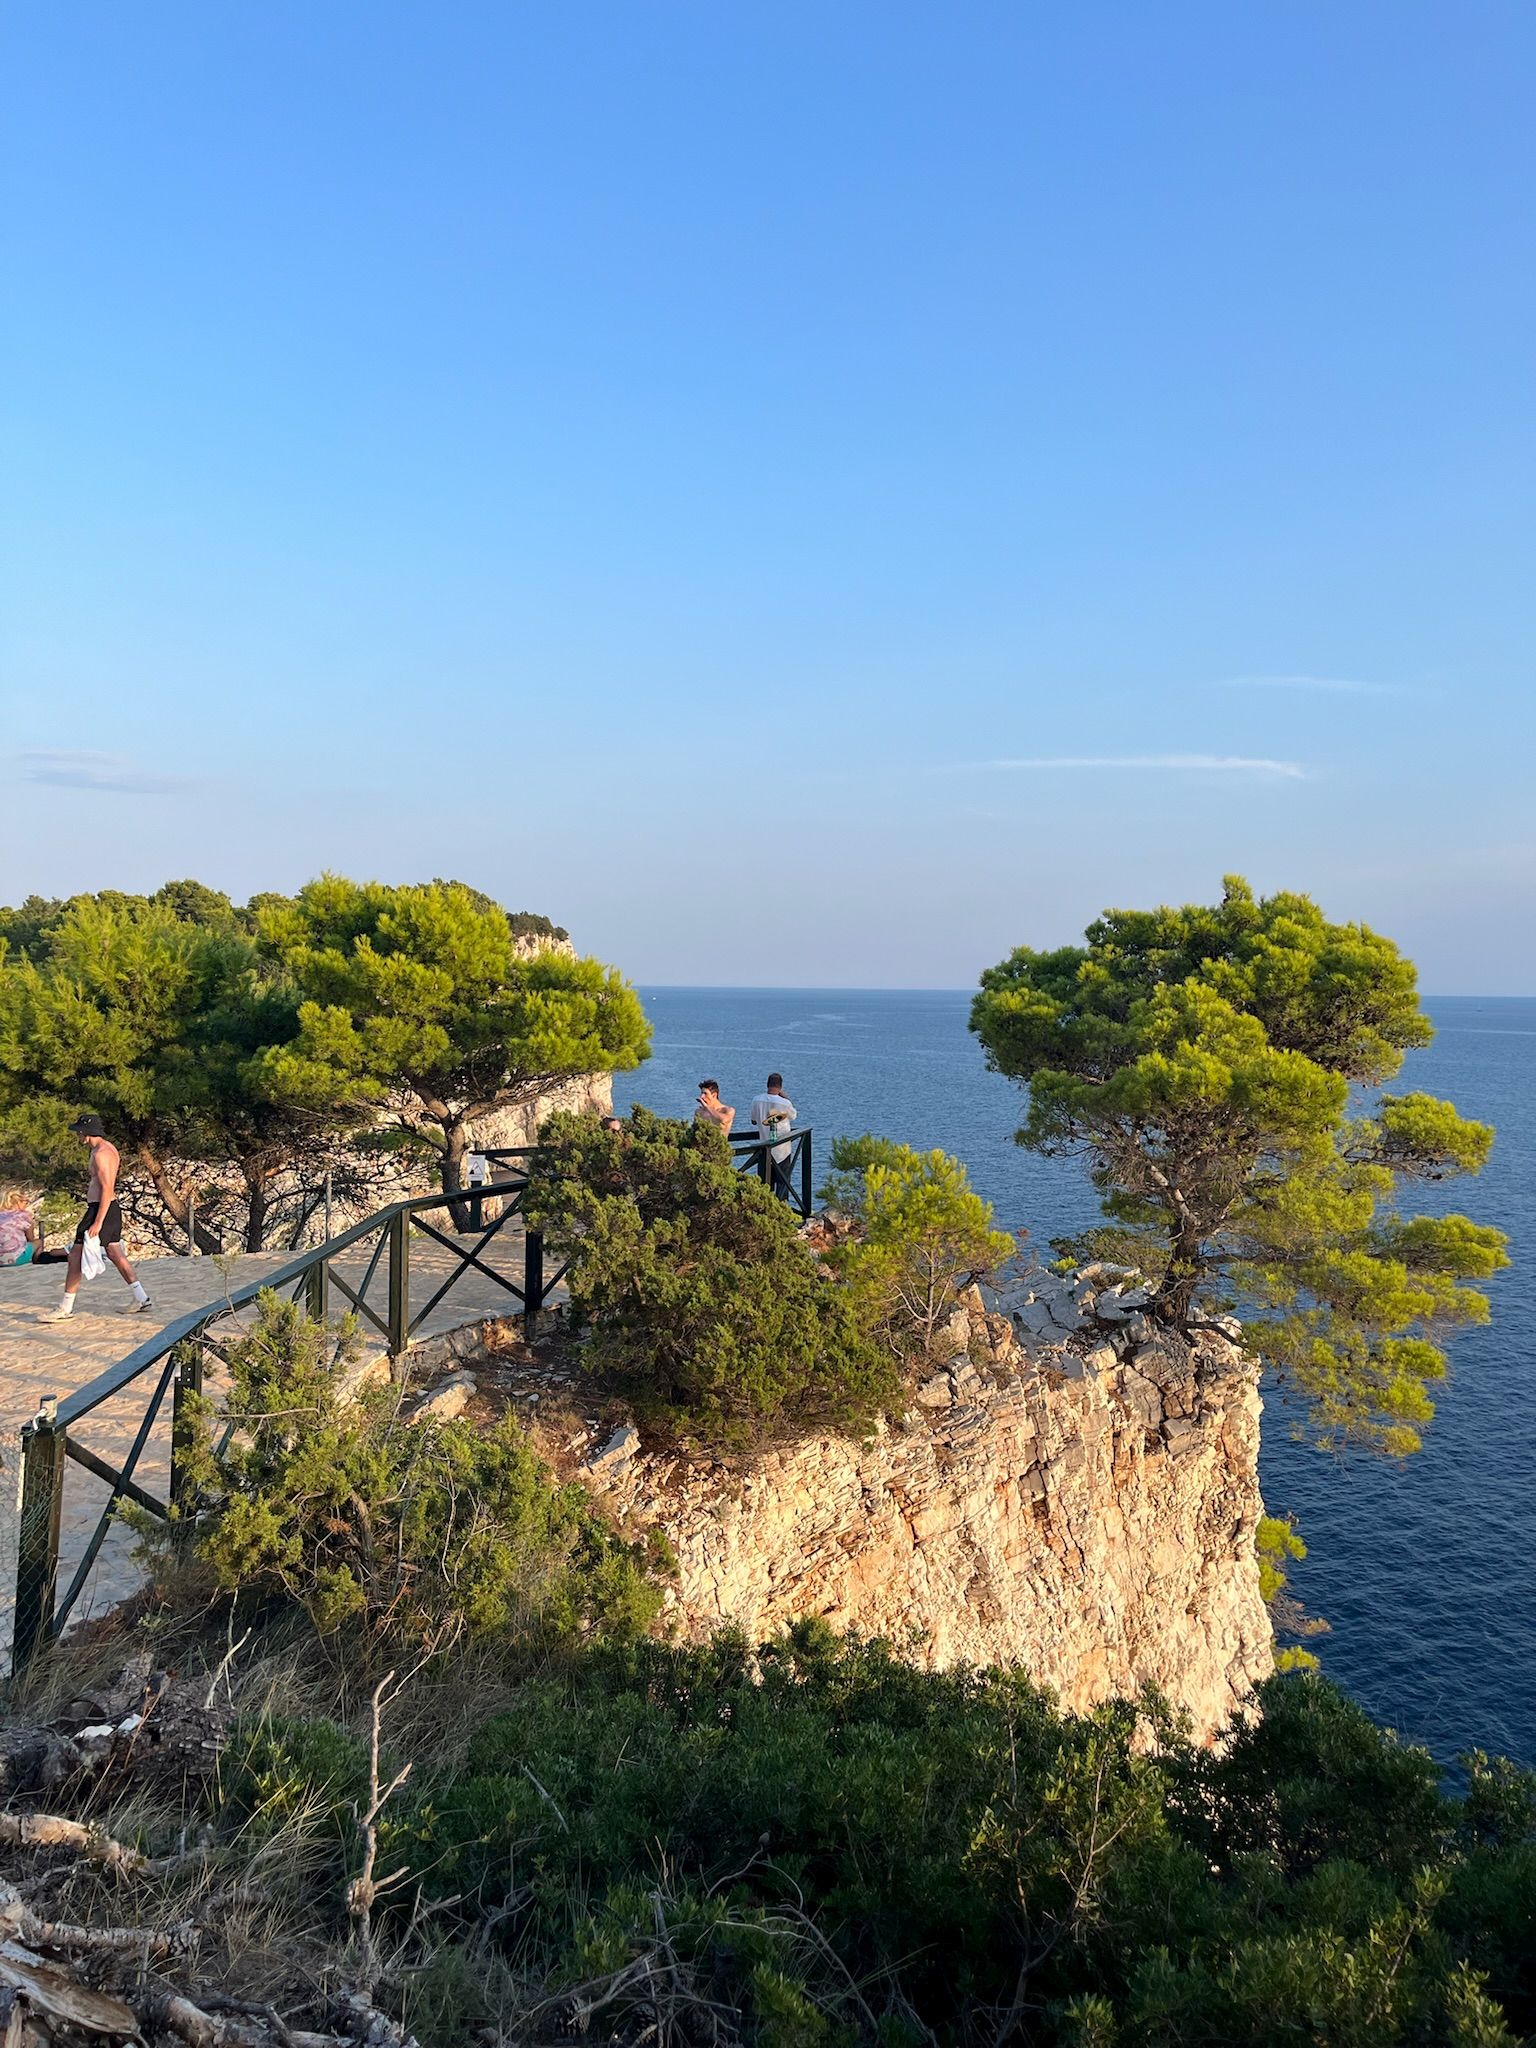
(111,1223)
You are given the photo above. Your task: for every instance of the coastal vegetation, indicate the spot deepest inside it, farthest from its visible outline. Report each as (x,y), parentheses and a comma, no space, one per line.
(803,1844)
(455,1783)
(309,1489)
(421,1000)
(1221,1070)
(461,1792)
(921,1234)
(241,1054)
(697,1296)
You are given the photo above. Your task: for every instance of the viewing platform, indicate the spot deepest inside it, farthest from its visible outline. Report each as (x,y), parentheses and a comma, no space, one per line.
(87,1403)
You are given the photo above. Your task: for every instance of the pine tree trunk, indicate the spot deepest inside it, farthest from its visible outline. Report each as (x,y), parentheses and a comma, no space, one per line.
(1175,1298)
(454,1152)
(256,1212)
(177,1201)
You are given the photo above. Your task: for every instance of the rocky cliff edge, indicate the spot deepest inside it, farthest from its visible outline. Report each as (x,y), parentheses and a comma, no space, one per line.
(1076,1491)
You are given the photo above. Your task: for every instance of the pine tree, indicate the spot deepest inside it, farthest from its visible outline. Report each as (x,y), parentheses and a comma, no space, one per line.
(1211,1065)
(420,1002)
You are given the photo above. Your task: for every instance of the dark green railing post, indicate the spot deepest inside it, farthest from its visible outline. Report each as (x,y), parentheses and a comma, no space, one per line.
(188,1384)
(399,1227)
(805,1175)
(533,1278)
(37,1550)
(317,1291)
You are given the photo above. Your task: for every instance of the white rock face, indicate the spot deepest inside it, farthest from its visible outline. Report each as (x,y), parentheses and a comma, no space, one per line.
(520,1125)
(1083,1505)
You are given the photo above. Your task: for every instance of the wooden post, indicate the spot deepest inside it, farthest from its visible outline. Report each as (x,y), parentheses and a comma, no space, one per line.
(399,1227)
(191,1226)
(533,1279)
(189,1381)
(317,1290)
(37,1550)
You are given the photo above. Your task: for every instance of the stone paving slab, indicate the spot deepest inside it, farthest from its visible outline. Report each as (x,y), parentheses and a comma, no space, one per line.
(39,1358)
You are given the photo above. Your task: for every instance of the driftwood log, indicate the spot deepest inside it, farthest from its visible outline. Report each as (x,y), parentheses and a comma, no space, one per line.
(166,1732)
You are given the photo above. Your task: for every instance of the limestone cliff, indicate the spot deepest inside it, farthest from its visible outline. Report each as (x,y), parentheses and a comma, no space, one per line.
(1076,1492)
(519,1125)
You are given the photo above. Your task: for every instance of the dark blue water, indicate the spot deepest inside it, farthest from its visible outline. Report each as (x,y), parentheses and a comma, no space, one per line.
(1422,1568)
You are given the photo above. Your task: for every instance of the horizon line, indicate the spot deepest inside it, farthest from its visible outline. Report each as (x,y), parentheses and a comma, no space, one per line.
(870,988)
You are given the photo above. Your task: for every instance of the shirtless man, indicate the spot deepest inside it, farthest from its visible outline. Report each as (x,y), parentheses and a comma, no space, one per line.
(709,1109)
(103,1219)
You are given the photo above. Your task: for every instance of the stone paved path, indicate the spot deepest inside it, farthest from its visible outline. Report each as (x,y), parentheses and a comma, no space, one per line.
(39,1357)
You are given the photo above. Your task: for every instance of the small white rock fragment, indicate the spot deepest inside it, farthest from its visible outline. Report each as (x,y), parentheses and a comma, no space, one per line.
(623,1445)
(444,1401)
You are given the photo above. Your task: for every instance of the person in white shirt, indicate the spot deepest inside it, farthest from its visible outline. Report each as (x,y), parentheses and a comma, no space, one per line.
(773,1114)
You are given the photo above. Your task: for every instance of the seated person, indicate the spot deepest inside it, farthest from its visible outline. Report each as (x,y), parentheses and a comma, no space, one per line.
(20,1238)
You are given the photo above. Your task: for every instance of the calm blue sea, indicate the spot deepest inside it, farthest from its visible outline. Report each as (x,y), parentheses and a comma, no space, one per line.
(1423,1568)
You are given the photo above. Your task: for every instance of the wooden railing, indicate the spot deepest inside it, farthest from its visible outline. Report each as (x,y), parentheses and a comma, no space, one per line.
(784,1165)
(172,1363)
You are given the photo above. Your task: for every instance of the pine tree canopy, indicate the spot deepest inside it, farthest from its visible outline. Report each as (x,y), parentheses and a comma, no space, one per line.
(1218,1068)
(423,998)
(258,1038)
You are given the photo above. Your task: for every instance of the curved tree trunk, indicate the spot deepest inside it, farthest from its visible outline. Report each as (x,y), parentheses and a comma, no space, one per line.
(451,1167)
(178,1200)
(257,1206)
(1174,1299)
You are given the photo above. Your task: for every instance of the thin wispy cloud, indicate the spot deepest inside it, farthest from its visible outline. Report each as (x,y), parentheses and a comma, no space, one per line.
(110,773)
(1339,686)
(1200,764)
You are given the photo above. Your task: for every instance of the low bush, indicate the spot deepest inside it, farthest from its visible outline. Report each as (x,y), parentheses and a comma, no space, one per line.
(419,1531)
(924,1234)
(817,1844)
(700,1301)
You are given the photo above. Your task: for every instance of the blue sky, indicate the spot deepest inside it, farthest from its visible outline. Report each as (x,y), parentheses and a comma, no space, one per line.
(811,494)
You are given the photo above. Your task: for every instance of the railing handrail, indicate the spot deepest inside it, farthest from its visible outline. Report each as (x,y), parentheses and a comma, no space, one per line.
(744,1137)
(72,1407)
(80,1403)
(46,1443)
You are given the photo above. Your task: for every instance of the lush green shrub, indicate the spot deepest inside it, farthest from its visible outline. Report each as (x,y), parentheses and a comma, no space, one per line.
(924,1233)
(423,1530)
(699,1298)
(1277,1545)
(838,1848)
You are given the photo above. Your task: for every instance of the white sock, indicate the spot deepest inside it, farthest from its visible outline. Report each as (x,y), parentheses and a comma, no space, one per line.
(67,1305)
(136,1289)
